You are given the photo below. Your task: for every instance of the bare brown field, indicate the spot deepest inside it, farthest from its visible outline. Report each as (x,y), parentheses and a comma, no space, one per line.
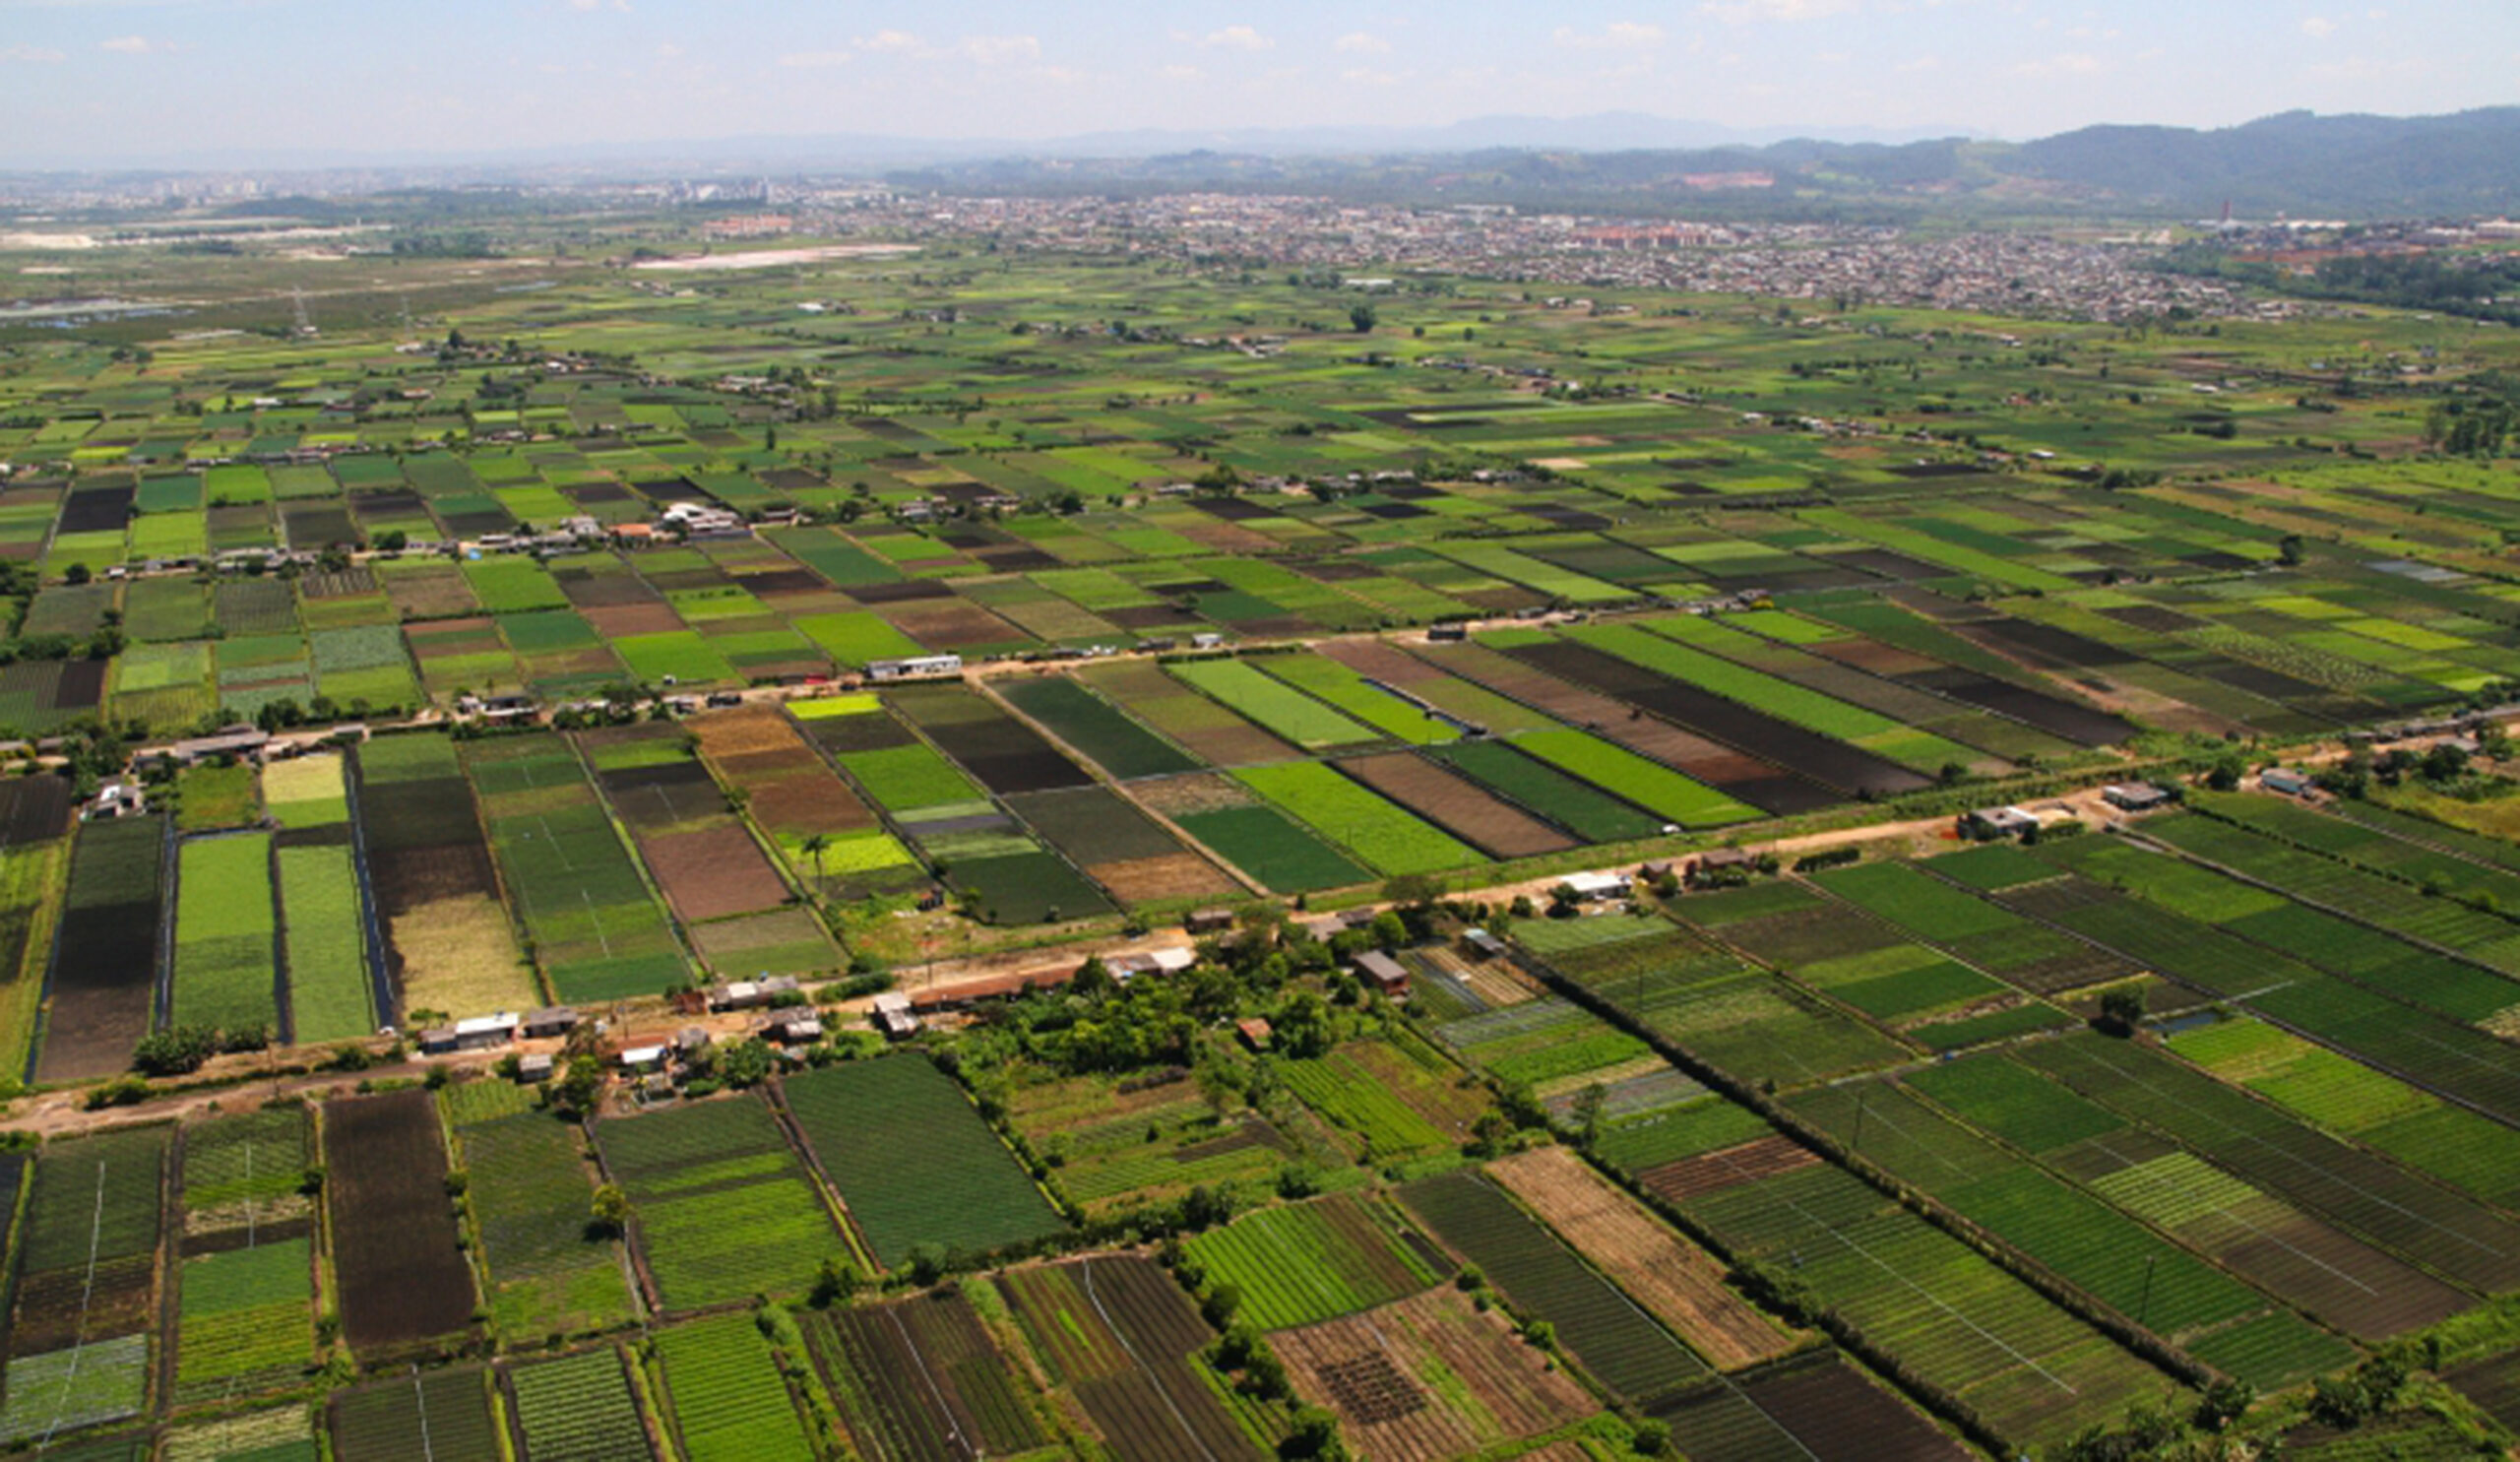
(1456,805)
(1713,1171)
(1678,1281)
(1428,1378)
(713,873)
(1179,875)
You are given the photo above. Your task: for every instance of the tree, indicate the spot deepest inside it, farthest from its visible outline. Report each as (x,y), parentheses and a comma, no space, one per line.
(815,847)
(1315,1434)
(1588,1113)
(2226,771)
(1363,317)
(2292,551)
(174,1051)
(927,1263)
(608,1214)
(2121,1009)
(836,1283)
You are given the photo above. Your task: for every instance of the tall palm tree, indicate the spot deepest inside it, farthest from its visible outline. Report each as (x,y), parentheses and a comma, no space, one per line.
(815,846)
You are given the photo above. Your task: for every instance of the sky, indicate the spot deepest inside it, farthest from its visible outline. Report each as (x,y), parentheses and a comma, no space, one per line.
(86,82)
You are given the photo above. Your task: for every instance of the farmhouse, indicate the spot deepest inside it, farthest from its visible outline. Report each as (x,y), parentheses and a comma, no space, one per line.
(914,667)
(1998,822)
(1483,944)
(1208,921)
(1594,888)
(555,1020)
(892,1016)
(481,1033)
(2289,782)
(2135,797)
(1382,973)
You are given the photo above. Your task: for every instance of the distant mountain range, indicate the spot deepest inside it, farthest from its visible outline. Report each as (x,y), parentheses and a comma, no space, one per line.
(2295,163)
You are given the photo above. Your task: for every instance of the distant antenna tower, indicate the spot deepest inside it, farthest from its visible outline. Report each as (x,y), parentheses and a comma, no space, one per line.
(297,298)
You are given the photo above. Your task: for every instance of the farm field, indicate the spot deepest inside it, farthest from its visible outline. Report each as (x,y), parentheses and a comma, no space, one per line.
(1313,1261)
(970,1196)
(1258,612)
(1428,1377)
(920,1380)
(403,1279)
(1119,1336)
(730,1403)
(720,1207)
(531,1193)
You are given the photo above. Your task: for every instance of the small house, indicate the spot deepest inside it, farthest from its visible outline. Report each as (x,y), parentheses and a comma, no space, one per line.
(1594,888)
(1483,944)
(914,667)
(2287,783)
(1253,1032)
(533,1067)
(690,1042)
(642,1059)
(1383,973)
(892,1016)
(800,1029)
(1447,634)
(1208,921)
(2135,797)
(556,1020)
(1998,822)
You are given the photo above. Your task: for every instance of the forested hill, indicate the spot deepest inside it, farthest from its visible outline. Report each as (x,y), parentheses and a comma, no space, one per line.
(2297,163)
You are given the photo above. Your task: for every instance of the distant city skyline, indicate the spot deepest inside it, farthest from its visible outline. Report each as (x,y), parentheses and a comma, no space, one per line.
(88,83)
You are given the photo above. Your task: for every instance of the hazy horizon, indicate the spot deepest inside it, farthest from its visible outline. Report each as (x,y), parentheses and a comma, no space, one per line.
(131,82)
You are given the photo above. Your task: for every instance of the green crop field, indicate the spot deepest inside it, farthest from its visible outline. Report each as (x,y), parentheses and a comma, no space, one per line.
(1315,1261)
(225,975)
(729,1404)
(579,1408)
(969,1195)
(1381,835)
(531,1193)
(722,1209)
(1290,713)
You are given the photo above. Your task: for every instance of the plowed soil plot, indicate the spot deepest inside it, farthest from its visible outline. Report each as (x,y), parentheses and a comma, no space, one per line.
(32,809)
(1119,846)
(106,956)
(1429,1378)
(1118,1333)
(1747,778)
(1456,805)
(1004,754)
(2494,1386)
(1713,1173)
(1850,769)
(919,1382)
(1835,1412)
(713,873)
(404,1277)
(1681,1283)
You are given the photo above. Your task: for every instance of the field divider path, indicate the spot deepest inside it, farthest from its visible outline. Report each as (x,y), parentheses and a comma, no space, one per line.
(385,1008)
(927,1378)
(164,986)
(1118,788)
(87,1294)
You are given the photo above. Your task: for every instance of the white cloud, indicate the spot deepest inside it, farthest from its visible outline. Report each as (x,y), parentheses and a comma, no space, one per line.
(989,50)
(586,6)
(1921,63)
(808,60)
(1366,76)
(30,53)
(133,45)
(2318,28)
(2065,63)
(1624,35)
(1182,73)
(1743,12)
(897,42)
(1238,38)
(1359,43)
